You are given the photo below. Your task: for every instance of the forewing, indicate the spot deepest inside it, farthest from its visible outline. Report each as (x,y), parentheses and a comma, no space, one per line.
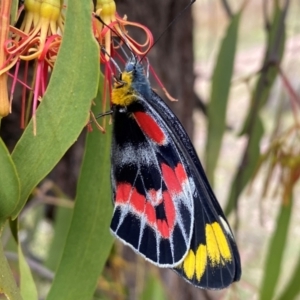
(153,197)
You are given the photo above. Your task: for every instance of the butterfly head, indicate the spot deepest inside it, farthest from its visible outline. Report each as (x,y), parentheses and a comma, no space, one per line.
(131,84)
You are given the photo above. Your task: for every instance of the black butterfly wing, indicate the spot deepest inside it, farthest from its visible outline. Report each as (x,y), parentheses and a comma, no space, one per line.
(153,199)
(213,260)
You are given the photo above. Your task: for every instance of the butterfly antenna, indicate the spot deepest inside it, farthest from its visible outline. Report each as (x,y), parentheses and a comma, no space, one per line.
(122,49)
(112,60)
(169,25)
(121,36)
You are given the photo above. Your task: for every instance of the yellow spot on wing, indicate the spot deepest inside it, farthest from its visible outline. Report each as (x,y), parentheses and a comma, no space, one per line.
(222,242)
(212,246)
(194,265)
(216,249)
(217,245)
(201,261)
(189,265)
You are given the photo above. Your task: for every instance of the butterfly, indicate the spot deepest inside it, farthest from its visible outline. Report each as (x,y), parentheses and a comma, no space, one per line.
(164,207)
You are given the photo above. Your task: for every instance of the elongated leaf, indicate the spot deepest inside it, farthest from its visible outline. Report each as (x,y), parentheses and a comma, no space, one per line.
(7,282)
(9,184)
(253,128)
(64,109)
(274,51)
(27,285)
(89,240)
(275,253)
(293,287)
(219,95)
(247,166)
(63,219)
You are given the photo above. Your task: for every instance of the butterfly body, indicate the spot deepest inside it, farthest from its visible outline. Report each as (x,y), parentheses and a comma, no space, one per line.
(164,207)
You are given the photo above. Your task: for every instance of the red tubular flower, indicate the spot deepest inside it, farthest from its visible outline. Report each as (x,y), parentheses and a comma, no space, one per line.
(113,25)
(38,39)
(4,27)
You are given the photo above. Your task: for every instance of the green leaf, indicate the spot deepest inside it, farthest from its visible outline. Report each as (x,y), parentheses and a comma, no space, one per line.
(27,285)
(275,253)
(7,282)
(89,240)
(269,72)
(293,287)
(219,95)
(65,107)
(247,166)
(9,184)
(63,217)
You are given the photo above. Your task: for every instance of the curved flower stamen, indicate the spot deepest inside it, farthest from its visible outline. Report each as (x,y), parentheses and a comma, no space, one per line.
(113,25)
(43,19)
(38,38)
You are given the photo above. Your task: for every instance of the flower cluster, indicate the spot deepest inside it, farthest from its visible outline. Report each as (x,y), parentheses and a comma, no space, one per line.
(37,40)
(35,44)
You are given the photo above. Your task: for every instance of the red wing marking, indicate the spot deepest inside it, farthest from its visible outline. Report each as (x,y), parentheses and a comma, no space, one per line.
(123,192)
(163,228)
(150,214)
(126,194)
(169,210)
(150,127)
(180,173)
(171,179)
(138,201)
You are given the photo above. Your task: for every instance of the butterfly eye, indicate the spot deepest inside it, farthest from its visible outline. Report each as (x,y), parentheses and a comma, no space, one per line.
(130,67)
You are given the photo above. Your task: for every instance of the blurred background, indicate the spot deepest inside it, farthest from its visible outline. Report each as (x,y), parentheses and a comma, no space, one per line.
(234,67)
